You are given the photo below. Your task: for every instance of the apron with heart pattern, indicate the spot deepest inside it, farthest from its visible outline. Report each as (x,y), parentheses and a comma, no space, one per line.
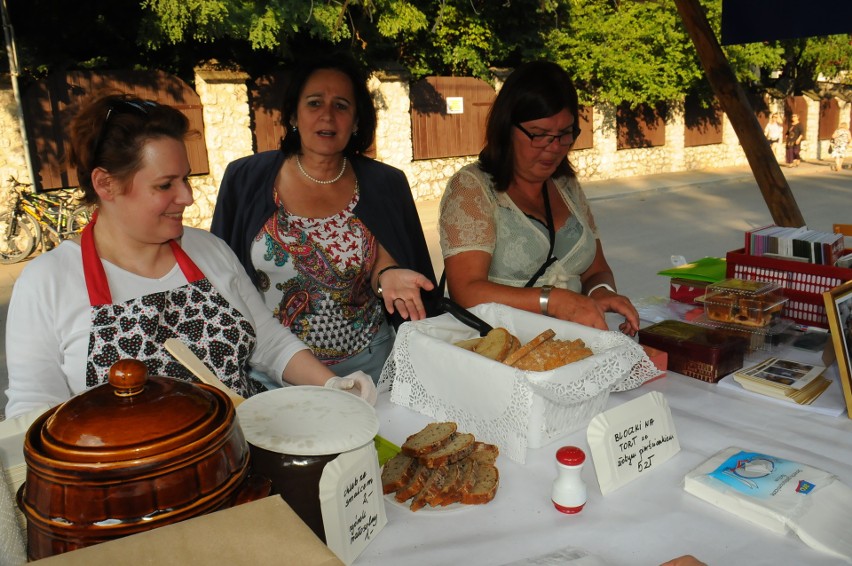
(195,313)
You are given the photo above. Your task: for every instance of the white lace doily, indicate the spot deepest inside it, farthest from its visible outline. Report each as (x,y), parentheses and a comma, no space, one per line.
(499,404)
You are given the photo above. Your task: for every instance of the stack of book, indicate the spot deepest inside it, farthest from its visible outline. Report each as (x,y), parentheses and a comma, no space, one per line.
(798,244)
(787,380)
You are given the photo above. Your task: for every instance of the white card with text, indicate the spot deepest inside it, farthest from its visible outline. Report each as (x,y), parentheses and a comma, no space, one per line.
(353,507)
(632,440)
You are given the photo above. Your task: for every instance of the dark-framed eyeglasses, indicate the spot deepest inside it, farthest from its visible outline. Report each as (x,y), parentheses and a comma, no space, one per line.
(137,107)
(544,140)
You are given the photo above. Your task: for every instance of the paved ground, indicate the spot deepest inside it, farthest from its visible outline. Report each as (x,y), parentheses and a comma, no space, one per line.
(643,221)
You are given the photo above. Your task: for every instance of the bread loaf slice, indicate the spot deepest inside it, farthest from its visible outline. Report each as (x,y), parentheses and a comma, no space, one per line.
(487,479)
(529,347)
(431,489)
(397,472)
(432,437)
(484,453)
(457,448)
(469,344)
(413,487)
(451,493)
(495,345)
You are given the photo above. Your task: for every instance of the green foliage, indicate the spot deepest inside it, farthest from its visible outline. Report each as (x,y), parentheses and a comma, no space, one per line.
(618,50)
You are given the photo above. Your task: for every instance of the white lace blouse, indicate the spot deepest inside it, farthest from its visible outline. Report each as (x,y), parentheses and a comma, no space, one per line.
(476,217)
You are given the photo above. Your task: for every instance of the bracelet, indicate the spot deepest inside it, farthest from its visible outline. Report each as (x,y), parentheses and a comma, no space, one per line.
(601,286)
(379,278)
(544,298)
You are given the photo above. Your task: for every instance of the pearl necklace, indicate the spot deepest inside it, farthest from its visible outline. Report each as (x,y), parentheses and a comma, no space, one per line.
(315,180)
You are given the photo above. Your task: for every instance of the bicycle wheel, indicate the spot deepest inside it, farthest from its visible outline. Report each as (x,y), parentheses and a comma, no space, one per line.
(18,245)
(77,220)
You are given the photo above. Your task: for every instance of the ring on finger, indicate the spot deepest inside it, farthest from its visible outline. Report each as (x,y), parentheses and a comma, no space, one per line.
(399,299)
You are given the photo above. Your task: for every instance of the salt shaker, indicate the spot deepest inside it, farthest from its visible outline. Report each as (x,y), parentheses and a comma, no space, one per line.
(569,490)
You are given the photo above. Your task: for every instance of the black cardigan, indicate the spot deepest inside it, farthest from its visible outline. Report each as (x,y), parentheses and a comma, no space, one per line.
(386,207)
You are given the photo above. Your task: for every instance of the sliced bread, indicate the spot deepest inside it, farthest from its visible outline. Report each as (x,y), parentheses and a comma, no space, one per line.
(495,345)
(457,448)
(397,472)
(469,344)
(431,489)
(487,479)
(484,453)
(529,347)
(432,437)
(415,484)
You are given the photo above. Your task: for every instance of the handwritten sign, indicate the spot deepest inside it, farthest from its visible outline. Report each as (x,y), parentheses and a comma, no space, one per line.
(631,440)
(353,508)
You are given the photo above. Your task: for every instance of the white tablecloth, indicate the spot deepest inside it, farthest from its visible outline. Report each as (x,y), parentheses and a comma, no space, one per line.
(643,523)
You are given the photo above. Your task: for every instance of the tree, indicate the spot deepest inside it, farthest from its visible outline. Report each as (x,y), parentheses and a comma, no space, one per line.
(618,51)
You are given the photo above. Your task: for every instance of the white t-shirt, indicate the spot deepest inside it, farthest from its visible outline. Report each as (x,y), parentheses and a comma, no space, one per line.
(48,325)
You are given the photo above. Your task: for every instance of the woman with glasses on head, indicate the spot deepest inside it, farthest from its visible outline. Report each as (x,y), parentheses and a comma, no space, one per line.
(138,277)
(515,226)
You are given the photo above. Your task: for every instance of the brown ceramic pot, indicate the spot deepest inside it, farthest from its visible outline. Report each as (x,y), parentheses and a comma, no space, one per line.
(136,453)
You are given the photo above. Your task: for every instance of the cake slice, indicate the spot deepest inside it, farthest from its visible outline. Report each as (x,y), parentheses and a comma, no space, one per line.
(397,472)
(529,347)
(432,437)
(483,491)
(459,446)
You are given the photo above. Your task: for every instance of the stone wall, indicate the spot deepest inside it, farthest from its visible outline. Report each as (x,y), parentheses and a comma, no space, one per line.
(228,136)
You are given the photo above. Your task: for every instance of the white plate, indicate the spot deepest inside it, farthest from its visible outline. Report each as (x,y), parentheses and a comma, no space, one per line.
(428,509)
(307,421)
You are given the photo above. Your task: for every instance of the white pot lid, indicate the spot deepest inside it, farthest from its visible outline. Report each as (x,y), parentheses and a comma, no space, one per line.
(307,420)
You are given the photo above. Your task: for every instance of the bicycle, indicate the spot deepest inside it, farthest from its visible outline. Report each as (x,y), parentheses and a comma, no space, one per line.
(38,219)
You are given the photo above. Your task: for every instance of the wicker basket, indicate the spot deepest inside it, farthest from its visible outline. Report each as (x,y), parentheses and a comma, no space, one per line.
(499,404)
(803,283)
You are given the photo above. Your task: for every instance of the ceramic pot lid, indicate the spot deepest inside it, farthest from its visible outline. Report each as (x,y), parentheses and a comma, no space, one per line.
(133,416)
(307,421)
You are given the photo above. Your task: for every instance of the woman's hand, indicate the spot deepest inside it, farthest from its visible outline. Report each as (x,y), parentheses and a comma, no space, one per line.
(401,292)
(613,302)
(568,305)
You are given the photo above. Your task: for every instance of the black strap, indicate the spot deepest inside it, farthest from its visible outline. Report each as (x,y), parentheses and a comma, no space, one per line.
(551,233)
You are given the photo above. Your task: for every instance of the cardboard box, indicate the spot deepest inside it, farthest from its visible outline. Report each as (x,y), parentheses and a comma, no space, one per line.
(703,353)
(262,532)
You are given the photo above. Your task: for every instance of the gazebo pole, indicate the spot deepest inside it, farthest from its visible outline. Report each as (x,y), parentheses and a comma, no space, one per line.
(767,172)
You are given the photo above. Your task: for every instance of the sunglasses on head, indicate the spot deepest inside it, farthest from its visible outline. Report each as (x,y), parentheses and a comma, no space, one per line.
(137,107)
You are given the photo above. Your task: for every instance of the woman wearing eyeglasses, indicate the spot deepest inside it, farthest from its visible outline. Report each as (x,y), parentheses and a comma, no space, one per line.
(137,277)
(515,226)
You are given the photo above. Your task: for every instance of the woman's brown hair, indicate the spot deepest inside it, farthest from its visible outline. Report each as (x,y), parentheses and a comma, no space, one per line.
(110,131)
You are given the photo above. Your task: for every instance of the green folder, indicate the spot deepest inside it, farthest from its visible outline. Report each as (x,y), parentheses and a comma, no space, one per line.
(709,269)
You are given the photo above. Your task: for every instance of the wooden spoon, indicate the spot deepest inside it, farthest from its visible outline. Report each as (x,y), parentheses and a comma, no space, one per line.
(193,363)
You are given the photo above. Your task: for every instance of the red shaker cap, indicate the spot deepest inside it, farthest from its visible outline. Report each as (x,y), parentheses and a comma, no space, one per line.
(570,456)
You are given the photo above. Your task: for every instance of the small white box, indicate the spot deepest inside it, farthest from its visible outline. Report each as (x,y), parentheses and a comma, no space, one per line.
(500,404)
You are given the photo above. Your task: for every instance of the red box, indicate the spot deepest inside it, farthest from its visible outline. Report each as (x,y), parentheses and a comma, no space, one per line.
(803,283)
(704,353)
(686,291)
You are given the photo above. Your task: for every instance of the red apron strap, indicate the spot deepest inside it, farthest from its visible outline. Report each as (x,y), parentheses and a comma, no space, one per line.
(96,279)
(190,270)
(97,283)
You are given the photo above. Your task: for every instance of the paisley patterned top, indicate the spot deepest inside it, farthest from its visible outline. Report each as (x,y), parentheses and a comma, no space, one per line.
(315,277)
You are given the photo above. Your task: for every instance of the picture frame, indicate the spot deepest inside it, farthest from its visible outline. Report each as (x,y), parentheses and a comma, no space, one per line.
(838,308)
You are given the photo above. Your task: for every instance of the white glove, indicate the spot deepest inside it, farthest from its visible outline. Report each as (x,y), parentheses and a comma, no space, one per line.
(347,383)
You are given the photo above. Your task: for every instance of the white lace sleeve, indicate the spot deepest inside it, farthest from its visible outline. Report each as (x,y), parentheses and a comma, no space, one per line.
(466,221)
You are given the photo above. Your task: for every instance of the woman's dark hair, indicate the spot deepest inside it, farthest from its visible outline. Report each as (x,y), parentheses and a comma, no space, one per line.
(111,130)
(534,90)
(365,112)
